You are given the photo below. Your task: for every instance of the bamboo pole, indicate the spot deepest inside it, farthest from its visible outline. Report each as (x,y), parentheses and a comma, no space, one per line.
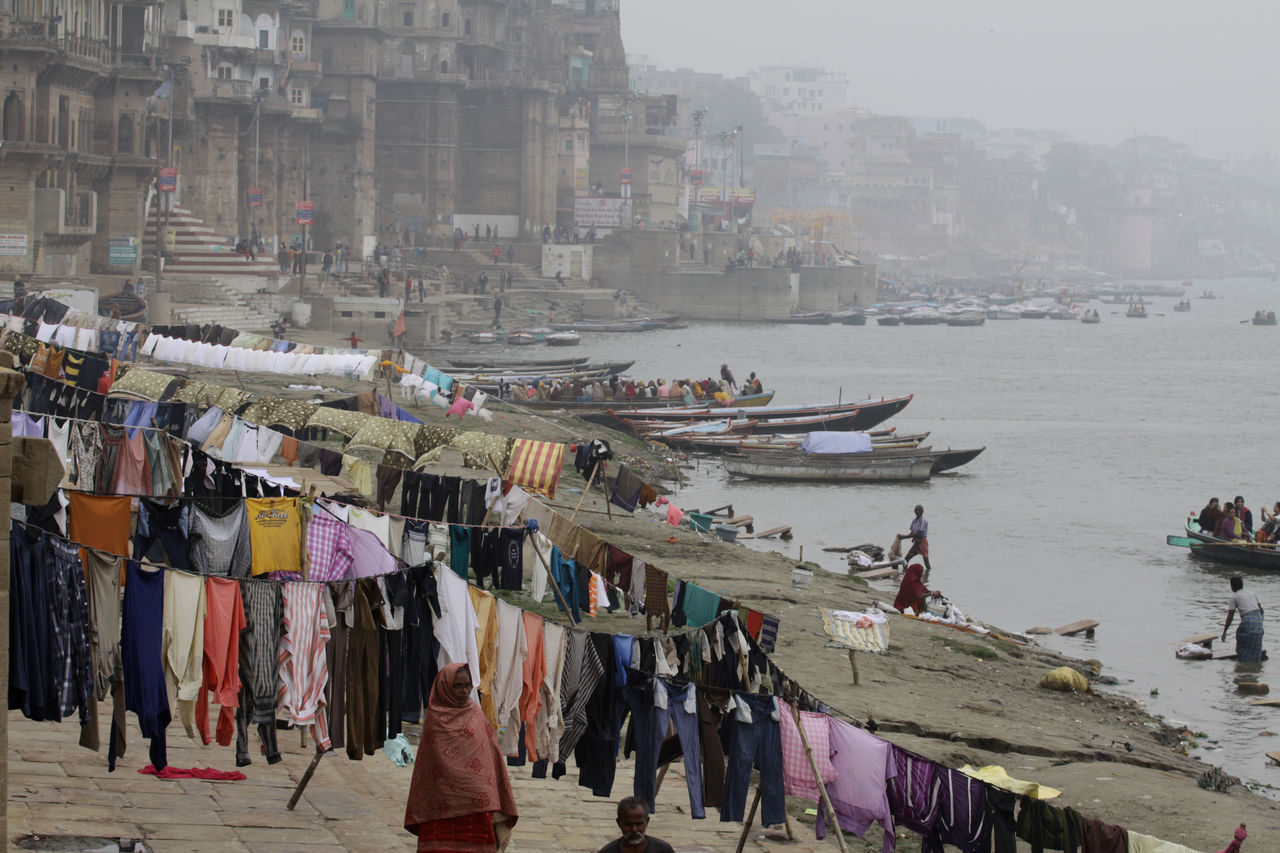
(555,587)
(604,489)
(746,824)
(306,777)
(590,477)
(817,777)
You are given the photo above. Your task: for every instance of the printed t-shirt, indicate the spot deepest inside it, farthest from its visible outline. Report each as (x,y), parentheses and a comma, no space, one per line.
(275,535)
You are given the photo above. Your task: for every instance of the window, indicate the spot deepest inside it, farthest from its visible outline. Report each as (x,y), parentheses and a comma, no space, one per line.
(297,43)
(226,18)
(408,16)
(224,72)
(264,40)
(124,134)
(444,20)
(297,97)
(348,10)
(264,83)
(466,27)
(568,145)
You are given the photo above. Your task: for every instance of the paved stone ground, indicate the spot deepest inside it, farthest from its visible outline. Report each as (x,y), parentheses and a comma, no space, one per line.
(59,788)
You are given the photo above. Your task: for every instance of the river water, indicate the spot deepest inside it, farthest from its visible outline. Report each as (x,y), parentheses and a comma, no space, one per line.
(1100,439)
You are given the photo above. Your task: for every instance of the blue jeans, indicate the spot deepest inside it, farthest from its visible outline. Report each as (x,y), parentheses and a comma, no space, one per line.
(129,347)
(650,726)
(758,742)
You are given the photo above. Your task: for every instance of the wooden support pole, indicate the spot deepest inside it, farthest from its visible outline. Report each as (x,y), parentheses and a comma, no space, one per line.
(306,777)
(746,824)
(590,478)
(662,773)
(817,777)
(555,587)
(853,664)
(604,489)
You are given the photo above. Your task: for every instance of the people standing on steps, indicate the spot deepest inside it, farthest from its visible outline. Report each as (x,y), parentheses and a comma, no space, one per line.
(497,254)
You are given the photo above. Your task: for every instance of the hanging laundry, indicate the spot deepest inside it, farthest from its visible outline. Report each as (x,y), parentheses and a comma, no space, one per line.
(626,489)
(455,630)
(591,551)
(486,637)
(329,551)
(1100,837)
(768,633)
(797,774)
(183,640)
(565,574)
(535,466)
(369,556)
(224,620)
(259,667)
(534,677)
(459,550)
(596,752)
(583,670)
(102,577)
(100,522)
(275,535)
(1044,826)
(510,559)
(963,821)
(140,649)
(656,704)
(864,765)
(913,792)
(754,739)
(303,666)
(219,544)
(867,632)
(513,649)
(656,604)
(564,534)
(362,672)
(674,515)
(700,605)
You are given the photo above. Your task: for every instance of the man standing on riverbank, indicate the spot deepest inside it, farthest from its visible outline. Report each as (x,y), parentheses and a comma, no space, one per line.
(919,536)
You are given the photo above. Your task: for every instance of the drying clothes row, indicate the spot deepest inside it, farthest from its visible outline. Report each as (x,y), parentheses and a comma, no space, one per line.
(400,442)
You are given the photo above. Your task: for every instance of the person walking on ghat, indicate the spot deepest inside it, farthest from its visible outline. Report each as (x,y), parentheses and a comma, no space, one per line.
(919,536)
(460,797)
(1249,634)
(497,311)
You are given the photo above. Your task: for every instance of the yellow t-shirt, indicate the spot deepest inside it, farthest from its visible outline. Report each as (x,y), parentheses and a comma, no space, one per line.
(275,535)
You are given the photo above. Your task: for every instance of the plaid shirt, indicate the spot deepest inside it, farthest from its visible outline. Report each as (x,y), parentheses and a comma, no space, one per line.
(72,653)
(328,549)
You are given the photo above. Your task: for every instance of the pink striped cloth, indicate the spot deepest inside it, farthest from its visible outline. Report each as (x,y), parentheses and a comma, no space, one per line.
(797,775)
(303,667)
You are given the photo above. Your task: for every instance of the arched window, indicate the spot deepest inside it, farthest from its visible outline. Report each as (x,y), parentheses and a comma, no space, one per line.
(444,66)
(444,20)
(124,134)
(14,118)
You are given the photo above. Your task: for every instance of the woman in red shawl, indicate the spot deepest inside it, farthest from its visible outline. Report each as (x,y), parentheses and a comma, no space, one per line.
(912,591)
(460,798)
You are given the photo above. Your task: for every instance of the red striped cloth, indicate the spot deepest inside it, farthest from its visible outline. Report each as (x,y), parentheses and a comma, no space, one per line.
(535,466)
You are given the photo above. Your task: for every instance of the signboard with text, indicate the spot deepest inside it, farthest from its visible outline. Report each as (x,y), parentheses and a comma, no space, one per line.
(306,213)
(626,174)
(695,177)
(122,252)
(596,212)
(168,180)
(13,245)
(255,196)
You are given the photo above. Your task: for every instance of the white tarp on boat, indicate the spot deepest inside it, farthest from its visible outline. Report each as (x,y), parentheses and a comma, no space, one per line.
(836,442)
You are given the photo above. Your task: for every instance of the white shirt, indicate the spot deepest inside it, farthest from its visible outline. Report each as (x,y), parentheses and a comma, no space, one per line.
(1244,602)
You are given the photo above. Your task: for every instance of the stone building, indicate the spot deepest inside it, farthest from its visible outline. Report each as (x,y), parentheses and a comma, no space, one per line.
(77,159)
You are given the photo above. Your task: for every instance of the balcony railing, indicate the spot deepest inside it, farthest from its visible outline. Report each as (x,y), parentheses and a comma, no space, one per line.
(238,90)
(82,48)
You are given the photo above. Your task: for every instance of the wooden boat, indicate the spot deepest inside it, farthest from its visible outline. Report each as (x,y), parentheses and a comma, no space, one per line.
(564,339)
(1207,547)
(1061,313)
(949,460)
(924,318)
(798,466)
(482,338)
(870,413)
(838,421)
(522,339)
(967,318)
(496,364)
(1183,306)
(1136,310)
(850,318)
(812,318)
(1003,314)
(132,306)
(733,439)
(634,324)
(1207,294)
(1090,317)
(1264,318)
(889,320)
(1030,313)
(649,405)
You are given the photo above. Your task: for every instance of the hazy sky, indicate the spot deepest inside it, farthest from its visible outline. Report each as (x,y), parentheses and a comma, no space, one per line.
(1205,73)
